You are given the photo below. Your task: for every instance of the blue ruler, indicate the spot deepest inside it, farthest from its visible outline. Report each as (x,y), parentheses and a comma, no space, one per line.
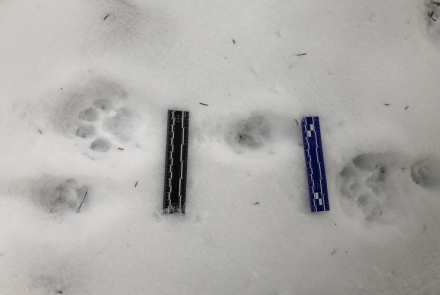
(315,164)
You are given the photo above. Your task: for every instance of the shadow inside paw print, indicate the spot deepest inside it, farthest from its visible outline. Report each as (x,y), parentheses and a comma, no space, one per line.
(85,131)
(89,114)
(100,145)
(119,124)
(103,104)
(378,170)
(426,173)
(251,133)
(61,196)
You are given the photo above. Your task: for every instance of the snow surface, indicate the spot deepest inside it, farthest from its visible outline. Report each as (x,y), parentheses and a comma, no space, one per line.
(85,88)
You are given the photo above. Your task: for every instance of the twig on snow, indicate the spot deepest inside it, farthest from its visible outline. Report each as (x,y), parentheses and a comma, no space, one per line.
(82,202)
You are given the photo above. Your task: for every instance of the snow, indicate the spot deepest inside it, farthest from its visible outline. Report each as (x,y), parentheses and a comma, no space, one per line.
(85,88)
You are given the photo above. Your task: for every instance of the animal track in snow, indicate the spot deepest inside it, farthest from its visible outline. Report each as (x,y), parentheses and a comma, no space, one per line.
(97,114)
(262,133)
(251,133)
(365,183)
(426,173)
(60,196)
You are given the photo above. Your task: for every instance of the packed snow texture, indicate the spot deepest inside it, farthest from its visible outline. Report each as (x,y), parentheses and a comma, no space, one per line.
(85,88)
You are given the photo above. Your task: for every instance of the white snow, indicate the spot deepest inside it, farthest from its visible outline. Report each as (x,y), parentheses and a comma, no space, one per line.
(85,87)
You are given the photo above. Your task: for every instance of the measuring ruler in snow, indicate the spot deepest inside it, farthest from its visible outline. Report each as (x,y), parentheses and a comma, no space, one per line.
(315,164)
(176,162)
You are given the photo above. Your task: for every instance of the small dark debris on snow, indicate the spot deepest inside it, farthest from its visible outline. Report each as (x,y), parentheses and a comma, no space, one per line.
(301,54)
(296,122)
(333,252)
(40,131)
(121,149)
(387,104)
(256,203)
(59,292)
(233,41)
(106,16)
(82,202)
(436,3)
(335,223)
(135,185)
(203,104)
(406,108)
(430,14)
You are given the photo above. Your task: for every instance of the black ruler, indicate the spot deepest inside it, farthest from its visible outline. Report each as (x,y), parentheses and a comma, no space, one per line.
(176,162)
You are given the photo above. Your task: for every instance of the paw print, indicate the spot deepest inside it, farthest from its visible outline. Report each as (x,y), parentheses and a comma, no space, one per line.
(362,185)
(97,116)
(102,125)
(251,133)
(426,173)
(61,196)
